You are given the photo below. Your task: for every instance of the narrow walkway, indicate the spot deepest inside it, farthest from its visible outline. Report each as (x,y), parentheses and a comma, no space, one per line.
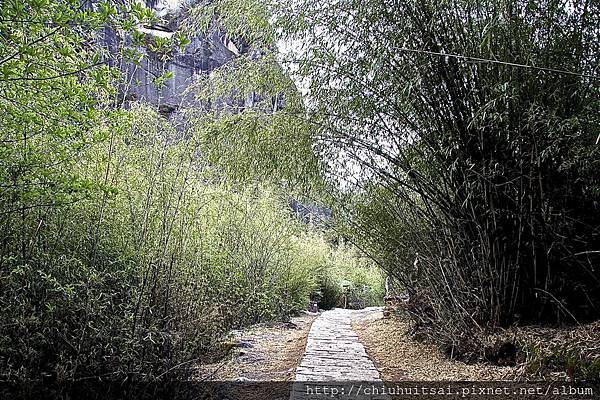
(333,352)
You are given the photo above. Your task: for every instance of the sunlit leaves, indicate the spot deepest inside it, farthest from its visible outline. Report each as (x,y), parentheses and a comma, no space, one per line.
(181,41)
(55,91)
(245,19)
(256,129)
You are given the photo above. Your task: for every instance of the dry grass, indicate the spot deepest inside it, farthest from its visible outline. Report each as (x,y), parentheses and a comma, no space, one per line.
(558,353)
(265,352)
(398,357)
(272,352)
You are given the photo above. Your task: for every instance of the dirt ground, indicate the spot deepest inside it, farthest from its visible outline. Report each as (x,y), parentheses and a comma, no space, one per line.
(398,357)
(265,352)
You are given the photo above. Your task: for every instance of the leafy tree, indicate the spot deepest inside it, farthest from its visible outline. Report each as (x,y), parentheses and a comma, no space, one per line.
(55,88)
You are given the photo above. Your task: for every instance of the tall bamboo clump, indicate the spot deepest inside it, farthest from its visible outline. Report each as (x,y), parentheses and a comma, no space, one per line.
(464,136)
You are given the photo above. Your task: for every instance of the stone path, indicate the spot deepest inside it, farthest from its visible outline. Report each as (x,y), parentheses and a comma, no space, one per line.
(334,354)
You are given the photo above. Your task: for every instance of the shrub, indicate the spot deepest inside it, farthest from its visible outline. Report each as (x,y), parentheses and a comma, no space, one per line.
(147,274)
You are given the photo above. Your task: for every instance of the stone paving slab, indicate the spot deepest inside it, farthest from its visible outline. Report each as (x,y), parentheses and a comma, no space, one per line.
(334,354)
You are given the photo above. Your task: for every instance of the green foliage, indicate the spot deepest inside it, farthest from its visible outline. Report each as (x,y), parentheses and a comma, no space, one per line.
(253,126)
(130,247)
(153,271)
(54,88)
(247,20)
(363,280)
(343,276)
(249,116)
(474,182)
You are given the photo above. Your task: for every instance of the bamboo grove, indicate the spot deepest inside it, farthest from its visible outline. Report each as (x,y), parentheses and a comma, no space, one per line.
(132,244)
(461,140)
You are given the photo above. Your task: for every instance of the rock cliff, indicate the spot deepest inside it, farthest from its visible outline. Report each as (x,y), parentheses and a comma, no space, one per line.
(204,53)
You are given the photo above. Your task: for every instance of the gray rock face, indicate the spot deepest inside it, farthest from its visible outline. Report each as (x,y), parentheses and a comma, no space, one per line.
(205,53)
